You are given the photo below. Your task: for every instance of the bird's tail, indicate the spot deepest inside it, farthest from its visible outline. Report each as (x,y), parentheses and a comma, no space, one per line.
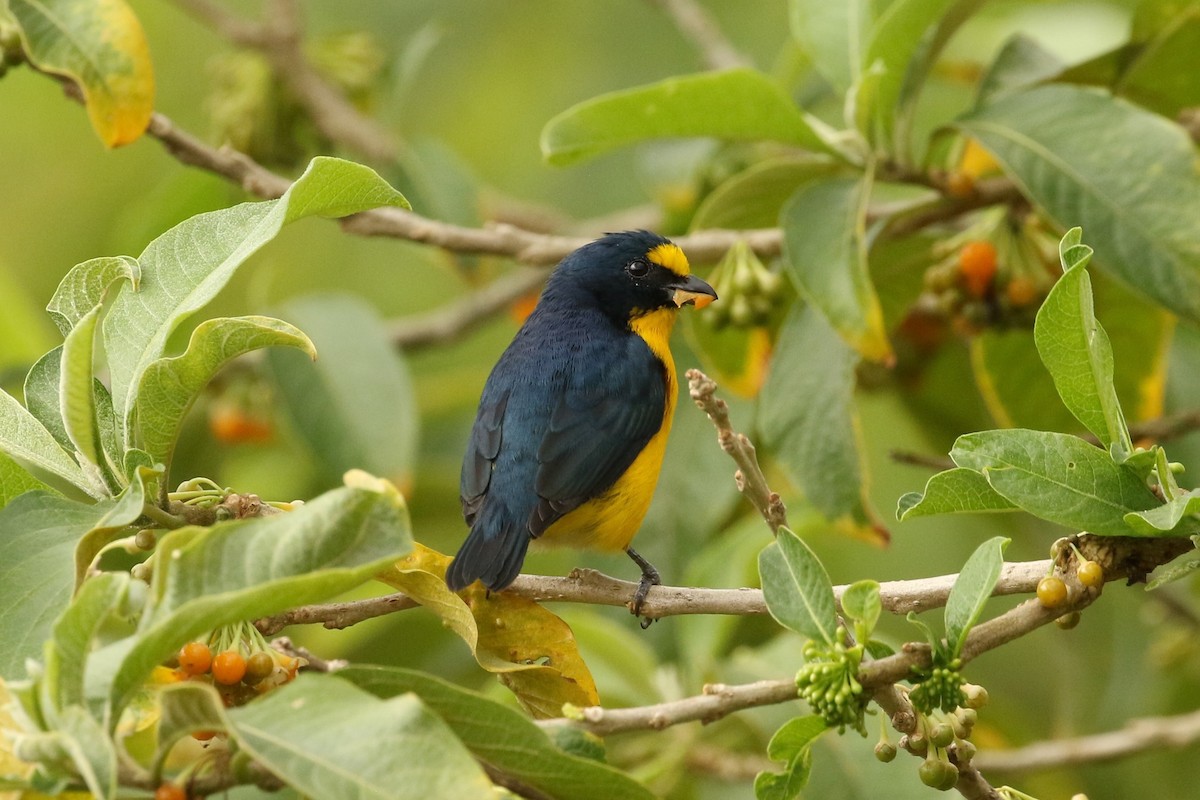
(493,552)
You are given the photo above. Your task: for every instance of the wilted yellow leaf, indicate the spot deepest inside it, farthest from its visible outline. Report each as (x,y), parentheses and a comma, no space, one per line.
(100,45)
(531,650)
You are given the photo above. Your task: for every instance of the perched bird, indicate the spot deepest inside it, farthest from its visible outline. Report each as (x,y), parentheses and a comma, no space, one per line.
(573,422)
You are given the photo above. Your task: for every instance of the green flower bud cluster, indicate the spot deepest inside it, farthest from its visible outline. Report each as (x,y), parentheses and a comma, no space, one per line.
(747,288)
(939,688)
(936,738)
(828,682)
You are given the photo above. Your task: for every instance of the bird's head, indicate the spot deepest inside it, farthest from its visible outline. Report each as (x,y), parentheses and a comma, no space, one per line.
(631,274)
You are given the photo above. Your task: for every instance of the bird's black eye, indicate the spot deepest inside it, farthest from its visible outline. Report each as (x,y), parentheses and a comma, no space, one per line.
(638,269)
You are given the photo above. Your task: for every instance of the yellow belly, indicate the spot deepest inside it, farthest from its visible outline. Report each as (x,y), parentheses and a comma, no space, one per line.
(610,521)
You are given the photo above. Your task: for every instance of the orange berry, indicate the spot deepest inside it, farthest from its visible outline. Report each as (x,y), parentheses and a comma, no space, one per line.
(1051,592)
(232,425)
(977,266)
(1021,291)
(195,658)
(169,791)
(203,736)
(228,667)
(960,185)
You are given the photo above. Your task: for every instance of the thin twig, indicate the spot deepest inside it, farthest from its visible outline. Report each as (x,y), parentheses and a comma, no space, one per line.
(1136,736)
(279,38)
(749,477)
(698,27)
(455,319)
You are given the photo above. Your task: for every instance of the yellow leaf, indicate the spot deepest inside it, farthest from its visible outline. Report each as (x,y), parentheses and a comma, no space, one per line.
(100,45)
(531,650)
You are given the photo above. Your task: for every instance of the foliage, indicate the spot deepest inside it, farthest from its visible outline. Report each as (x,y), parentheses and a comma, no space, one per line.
(891,214)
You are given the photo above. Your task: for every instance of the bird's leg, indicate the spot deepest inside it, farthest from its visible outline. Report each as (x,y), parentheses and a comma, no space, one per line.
(650,577)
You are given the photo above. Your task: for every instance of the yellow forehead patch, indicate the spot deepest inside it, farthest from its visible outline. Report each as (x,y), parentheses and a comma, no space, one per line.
(670,256)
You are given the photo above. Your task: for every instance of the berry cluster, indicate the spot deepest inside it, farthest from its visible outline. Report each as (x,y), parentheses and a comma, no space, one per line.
(973,290)
(828,682)
(237,661)
(747,288)
(941,738)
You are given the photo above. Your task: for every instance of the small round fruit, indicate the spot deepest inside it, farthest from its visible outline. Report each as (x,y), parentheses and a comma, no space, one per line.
(203,736)
(977,266)
(145,539)
(259,667)
(936,774)
(885,752)
(228,667)
(977,696)
(1068,621)
(169,791)
(1052,592)
(1021,292)
(1091,574)
(941,735)
(232,425)
(195,658)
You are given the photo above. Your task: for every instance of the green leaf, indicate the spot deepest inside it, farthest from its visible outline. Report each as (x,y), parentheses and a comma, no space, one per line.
(861,604)
(85,285)
(15,480)
(807,413)
(1060,144)
(796,587)
(795,735)
(1075,349)
(71,643)
(1021,63)
(971,590)
(29,443)
(752,198)
(954,491)
(185,267)
(1057,477)
(170,385)
(792,745)
(91,750)
(824,244)
(899,48)
(737,104)
(38,531)
(1176,517)
(834,35)
(501,737)
(355,406)
(242,570)
(186,707)
(101,46)
(328,738)
(142,476)
(76,397)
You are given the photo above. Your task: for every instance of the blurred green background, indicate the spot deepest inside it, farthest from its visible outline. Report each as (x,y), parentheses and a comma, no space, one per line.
(467,86)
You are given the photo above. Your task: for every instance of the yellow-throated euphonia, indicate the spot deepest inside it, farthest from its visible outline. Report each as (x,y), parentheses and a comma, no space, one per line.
(572,426)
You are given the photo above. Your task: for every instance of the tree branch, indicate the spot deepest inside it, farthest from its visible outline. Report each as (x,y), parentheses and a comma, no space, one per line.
(749,476)
(1137,736)
(698,27)
(453,320)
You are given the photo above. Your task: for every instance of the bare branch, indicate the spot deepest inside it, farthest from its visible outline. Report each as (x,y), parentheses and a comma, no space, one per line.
(1137,736)
(749,477)
(336,616)
(457,318)
(698,26)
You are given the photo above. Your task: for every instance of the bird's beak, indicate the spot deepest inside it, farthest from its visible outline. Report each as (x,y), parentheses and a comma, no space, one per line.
(693,291)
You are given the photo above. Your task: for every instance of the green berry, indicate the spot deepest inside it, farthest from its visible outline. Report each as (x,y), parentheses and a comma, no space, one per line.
(885,752)
(941,735)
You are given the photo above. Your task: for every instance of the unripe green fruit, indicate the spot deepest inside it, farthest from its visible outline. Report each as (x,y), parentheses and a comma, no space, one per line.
(941,735)
(977,696)
(885,752)
(145,539)
(1068,621)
